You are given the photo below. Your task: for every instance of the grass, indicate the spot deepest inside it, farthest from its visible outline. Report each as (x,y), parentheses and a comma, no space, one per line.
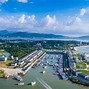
(81,65)
(2,52)
(84,71)
(1,73)
(5,64)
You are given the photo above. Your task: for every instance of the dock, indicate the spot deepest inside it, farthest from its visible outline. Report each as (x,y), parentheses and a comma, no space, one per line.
(61,69)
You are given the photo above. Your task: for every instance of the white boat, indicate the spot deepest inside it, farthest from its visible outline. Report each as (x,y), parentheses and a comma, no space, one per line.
(22,83)
(33,83)
(43,72)
(18,78)
(45,67)
(42,64)
(47,62)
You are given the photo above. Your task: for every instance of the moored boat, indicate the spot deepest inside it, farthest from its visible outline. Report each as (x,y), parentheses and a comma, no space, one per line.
(33,83)
(43,72)
(18,78)
(21,83)
(45,67)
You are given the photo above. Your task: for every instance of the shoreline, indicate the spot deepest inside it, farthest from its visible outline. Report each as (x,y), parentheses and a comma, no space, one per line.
(81,46)
(10,72)
(76,47)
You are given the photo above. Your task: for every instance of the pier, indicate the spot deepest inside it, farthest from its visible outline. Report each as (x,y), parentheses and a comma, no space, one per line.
(61,68)
(32,60)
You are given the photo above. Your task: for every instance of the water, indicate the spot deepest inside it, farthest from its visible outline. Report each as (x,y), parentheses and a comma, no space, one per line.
(34,75)
(83,49)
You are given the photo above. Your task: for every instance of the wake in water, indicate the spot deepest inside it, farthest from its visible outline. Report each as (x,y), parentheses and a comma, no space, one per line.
(44,84)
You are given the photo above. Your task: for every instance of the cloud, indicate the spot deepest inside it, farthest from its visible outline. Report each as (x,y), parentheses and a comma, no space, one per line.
(23,1)
(3,1)
(73,20)
(27,20)
(76,25)
(29,23)
(72,25)
(83,11)
(50,22)
(22,19)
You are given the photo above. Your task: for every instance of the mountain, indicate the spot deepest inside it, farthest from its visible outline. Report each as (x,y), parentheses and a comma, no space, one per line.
(5,33)
(83,37)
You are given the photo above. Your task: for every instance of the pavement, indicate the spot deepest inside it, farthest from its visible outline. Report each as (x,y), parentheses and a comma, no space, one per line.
(11,72)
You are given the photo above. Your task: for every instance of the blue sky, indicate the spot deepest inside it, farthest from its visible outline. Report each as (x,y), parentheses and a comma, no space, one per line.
(67,17)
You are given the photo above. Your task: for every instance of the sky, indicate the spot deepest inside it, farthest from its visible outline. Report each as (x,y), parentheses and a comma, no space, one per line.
(64,17)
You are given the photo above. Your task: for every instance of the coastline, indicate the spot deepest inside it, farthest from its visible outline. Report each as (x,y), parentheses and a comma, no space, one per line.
(82,46)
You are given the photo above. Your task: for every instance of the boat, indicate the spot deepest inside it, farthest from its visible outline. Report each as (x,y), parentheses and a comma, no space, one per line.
(33,83)
(21,83)
(45,67)
(18,78)
(43,72)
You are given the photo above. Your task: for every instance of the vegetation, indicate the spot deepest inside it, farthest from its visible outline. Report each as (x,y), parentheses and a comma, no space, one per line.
(79,56)
(2,52)
(1,73)
(18,49)
(81,65)
(5,64)
(84,71)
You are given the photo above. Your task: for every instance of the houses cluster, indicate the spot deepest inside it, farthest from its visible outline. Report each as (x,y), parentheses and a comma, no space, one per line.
(3,58)
(27,58)
(83,78)
(70,61)
(4,55)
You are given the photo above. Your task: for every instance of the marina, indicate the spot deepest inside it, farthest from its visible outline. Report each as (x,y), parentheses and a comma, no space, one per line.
(50,80)
(44,44)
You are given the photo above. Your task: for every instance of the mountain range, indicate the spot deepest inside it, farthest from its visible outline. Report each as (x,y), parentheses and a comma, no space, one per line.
(6,33)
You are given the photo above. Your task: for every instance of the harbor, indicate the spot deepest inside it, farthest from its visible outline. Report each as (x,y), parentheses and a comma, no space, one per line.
(42,69)
(44,44)
(35,74)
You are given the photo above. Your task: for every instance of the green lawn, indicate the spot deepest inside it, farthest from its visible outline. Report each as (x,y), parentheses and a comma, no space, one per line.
(84,71)
(2,52)
(3,63)
(1,73)
(81,65)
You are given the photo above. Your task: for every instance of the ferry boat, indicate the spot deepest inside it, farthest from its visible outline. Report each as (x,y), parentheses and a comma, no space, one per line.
(22,83)
(33,83)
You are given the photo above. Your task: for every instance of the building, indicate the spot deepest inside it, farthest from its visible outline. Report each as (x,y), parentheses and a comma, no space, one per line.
(3,58)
